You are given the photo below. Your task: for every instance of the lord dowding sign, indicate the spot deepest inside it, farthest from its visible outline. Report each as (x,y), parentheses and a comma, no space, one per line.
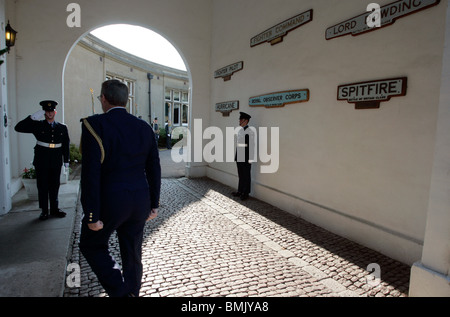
(388,15)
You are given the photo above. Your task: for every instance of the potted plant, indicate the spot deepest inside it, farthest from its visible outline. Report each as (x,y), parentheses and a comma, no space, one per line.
(29,182)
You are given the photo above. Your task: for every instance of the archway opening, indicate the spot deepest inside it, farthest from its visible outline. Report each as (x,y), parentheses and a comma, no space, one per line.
(152,68)
(141,42)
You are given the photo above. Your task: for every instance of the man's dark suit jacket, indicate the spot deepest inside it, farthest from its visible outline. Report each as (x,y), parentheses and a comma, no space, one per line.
(131,160)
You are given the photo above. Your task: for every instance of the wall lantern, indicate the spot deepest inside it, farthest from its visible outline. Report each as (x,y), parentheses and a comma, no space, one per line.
(10,40)
(10,36)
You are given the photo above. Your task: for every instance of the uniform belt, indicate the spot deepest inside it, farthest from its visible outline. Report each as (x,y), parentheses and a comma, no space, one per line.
(49,145)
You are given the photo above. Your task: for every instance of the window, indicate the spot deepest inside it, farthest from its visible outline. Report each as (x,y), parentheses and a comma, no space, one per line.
(168,112)
(176,96)
(184,114)
(176,107)
(176,115)
(168,94)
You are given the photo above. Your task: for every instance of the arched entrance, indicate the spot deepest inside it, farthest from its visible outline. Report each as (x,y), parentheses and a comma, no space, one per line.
(157,91)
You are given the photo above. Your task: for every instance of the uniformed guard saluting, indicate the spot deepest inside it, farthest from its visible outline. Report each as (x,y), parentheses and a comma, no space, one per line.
(52,148)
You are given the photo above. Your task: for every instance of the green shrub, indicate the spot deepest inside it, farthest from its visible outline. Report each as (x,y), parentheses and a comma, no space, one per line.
(75,154)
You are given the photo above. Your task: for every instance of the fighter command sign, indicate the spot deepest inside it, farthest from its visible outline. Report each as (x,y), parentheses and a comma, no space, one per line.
(369,94)
(389,13)
(275,34)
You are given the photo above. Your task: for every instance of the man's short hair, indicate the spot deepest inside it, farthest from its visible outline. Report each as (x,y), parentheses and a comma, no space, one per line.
(115,92)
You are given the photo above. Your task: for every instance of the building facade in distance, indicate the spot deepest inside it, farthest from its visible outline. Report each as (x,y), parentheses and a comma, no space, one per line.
(92,61)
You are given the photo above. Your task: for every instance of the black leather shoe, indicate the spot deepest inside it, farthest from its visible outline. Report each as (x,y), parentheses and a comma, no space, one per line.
(244,196)
(43,216)
(59,213)
(235,194)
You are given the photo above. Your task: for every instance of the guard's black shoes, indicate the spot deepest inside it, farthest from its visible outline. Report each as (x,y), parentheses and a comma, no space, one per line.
(244,196)
(235,194)
(43,216)
(58,213)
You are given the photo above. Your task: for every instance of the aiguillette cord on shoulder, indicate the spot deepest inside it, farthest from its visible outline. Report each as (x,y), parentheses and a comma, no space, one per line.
(96,137)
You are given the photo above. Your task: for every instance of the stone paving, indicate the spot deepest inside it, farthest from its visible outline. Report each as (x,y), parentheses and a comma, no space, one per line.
(206,244)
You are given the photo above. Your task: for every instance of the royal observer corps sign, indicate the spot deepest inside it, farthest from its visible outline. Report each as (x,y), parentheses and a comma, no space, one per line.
(280,99)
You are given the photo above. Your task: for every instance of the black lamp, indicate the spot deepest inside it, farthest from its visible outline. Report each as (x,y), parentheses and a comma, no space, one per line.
(10,40)
(10,36)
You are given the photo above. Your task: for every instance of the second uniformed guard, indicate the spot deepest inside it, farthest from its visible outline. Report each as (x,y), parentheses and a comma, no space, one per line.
(244,157)
(52,148)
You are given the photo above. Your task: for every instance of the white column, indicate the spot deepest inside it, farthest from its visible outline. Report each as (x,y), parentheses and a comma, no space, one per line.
(5,169)
(430,276)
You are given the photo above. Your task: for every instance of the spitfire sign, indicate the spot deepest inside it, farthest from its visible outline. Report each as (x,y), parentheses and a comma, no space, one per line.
(369,94)
(386,15)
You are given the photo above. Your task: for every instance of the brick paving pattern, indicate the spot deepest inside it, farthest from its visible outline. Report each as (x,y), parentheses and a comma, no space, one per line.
(206,244)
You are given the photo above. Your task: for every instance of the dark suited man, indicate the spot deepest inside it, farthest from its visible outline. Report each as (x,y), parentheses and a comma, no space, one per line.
(243,159)
(52,148)
(120,188)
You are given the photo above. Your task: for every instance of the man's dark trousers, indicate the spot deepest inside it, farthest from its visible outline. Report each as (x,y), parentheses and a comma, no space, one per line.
(48,183)
(244,174)
(124,214)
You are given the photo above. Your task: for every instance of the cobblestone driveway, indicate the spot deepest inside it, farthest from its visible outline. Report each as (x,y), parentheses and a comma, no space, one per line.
(206,244)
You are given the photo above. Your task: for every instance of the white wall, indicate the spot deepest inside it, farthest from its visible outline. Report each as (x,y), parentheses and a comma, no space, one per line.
(5,183)
(364,174)
(45,40)
(83,71)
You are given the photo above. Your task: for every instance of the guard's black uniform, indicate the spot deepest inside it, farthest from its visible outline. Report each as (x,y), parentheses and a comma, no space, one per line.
(51,150)
(243,162)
